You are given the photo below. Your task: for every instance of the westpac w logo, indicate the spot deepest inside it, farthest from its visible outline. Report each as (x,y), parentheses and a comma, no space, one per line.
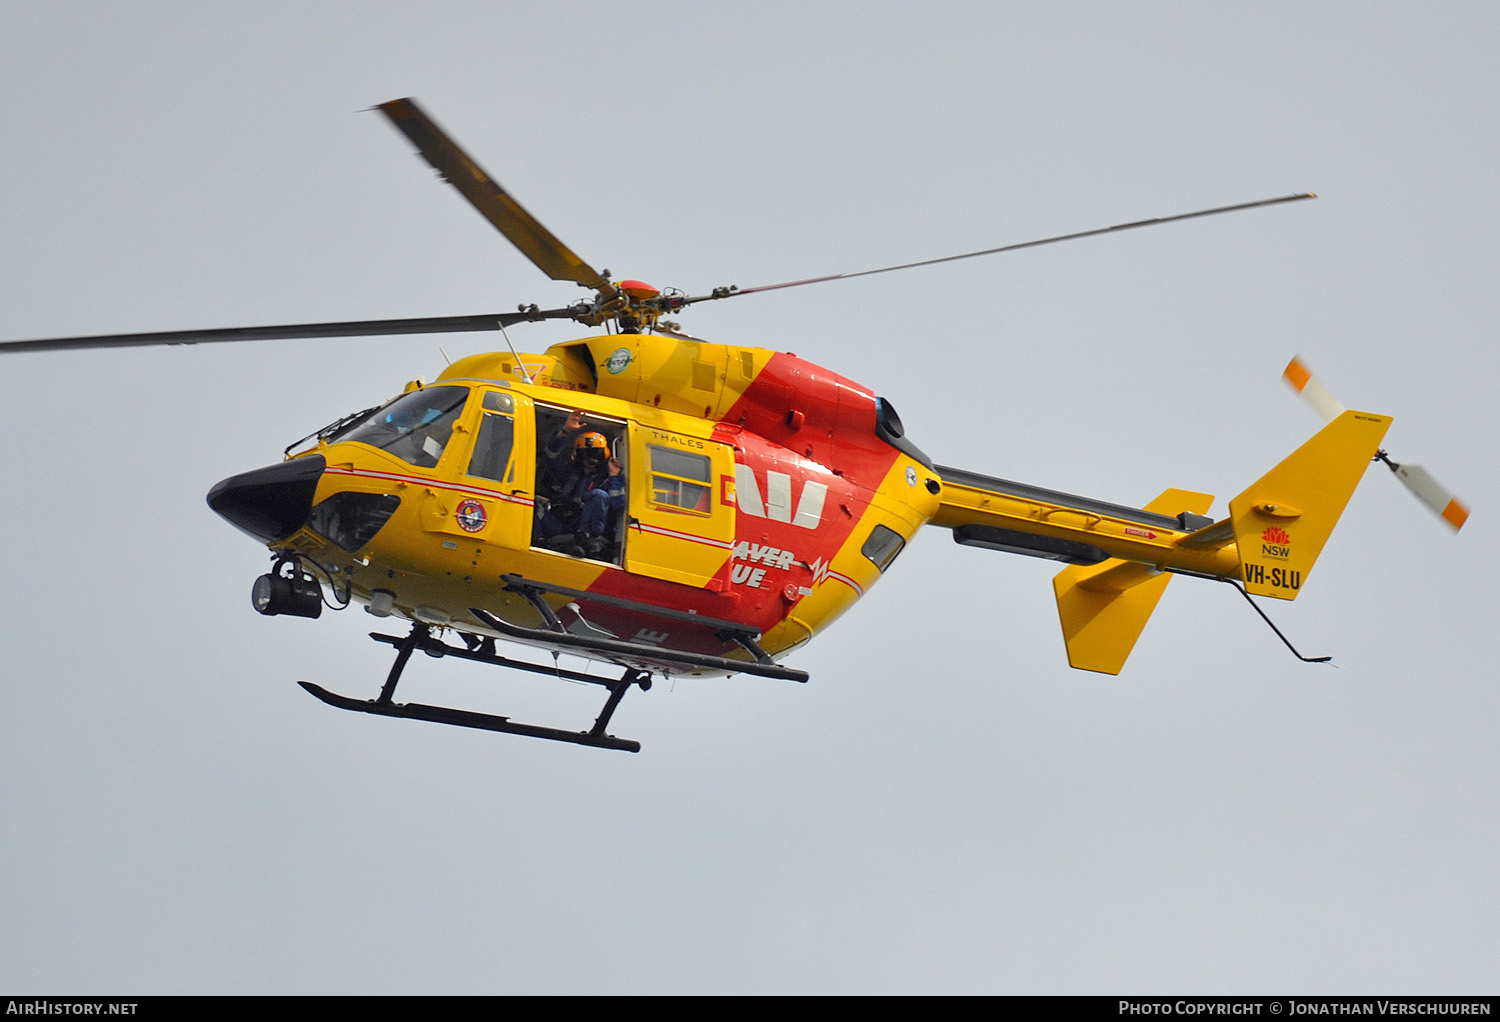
(778,503)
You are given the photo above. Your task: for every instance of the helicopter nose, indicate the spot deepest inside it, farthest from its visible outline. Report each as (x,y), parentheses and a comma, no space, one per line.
(269,503)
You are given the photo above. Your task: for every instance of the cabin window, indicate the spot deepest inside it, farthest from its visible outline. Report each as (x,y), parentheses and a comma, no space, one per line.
(679,479)
(882,546)
(491,459)
(415,427)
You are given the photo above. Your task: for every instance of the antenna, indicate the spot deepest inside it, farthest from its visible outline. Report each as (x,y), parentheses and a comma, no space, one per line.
(525,375)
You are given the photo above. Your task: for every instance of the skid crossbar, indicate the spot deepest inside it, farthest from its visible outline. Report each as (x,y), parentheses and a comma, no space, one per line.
(421,638)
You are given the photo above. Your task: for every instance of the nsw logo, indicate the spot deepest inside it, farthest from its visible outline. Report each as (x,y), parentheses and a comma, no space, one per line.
(1275,542)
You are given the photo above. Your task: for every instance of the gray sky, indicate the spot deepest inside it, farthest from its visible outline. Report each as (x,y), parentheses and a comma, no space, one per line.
(946,807)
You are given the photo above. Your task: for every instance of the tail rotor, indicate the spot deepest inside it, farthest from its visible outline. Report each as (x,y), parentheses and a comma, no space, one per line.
(1443,502)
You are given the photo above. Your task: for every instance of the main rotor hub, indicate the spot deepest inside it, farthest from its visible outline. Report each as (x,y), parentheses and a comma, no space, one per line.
(634,306)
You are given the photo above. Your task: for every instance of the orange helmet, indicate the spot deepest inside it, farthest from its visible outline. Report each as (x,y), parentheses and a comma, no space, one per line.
(591,442)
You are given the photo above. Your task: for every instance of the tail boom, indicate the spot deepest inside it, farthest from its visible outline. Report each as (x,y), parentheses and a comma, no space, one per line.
(1147,535)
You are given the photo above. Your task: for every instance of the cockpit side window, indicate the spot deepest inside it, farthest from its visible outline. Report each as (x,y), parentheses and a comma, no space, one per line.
(415,427)
(492,451)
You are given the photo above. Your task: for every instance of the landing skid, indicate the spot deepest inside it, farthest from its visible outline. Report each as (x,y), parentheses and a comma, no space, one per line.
(484,652)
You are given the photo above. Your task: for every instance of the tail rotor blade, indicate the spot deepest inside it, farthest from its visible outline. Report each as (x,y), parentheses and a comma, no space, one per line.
(1434,494)
(1314,393)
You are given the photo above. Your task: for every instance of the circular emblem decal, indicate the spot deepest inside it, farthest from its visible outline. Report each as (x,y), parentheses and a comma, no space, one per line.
(911,476)
(618,361)
(470,515)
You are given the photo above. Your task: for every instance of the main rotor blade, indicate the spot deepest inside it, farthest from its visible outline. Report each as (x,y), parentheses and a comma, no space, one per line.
(727,292)
(353,328)
(537,243)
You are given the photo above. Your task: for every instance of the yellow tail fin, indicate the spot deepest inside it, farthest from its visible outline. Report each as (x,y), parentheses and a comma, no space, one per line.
(1282,521)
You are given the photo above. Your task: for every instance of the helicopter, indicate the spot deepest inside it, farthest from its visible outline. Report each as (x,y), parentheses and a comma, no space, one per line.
(672,507)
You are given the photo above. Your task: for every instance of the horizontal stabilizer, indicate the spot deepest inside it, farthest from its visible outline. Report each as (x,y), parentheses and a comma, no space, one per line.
(1104,607)
(1282,521)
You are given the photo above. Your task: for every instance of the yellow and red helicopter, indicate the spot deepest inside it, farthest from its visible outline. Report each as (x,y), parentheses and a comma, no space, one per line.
(674,507)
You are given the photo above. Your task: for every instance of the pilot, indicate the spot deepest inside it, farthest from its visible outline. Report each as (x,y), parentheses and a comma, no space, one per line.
(587,488)
(411,426)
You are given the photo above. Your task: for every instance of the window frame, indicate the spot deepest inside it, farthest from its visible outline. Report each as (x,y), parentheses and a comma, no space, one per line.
(703,504)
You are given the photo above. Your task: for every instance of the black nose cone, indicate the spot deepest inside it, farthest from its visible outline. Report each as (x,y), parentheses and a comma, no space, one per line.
(269,503)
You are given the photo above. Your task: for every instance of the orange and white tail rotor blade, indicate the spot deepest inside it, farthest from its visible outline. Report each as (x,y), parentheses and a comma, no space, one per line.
(1317,395)
(1434,494)
(1414,477)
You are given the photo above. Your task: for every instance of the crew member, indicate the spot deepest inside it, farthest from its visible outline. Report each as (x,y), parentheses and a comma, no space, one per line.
(588,488)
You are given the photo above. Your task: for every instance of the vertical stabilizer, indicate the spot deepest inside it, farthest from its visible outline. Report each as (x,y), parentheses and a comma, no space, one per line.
(1282,521)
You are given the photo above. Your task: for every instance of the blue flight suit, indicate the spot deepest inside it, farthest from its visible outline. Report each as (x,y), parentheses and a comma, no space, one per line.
(584,500)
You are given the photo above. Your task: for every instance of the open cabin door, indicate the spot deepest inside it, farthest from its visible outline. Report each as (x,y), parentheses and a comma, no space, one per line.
(681,512)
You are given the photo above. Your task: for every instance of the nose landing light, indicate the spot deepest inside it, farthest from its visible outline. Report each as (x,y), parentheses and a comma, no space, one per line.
(282,592)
